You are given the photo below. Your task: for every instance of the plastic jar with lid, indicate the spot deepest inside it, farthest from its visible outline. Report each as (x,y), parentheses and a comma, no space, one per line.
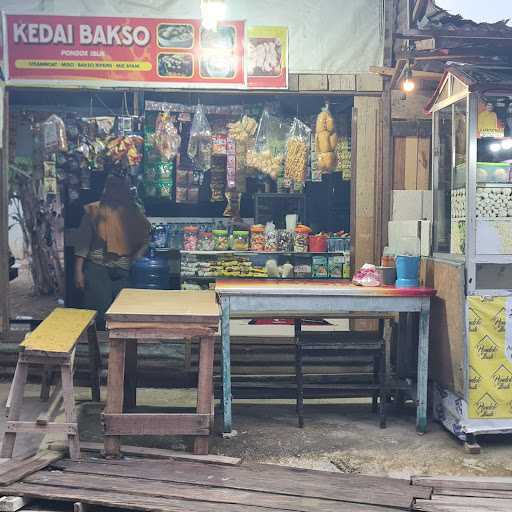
(240,241)
(205,241)
(220,240)
(257,238)
(190,237)
(301,240)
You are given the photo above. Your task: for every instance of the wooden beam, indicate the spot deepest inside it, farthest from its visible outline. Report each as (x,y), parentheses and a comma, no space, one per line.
(400,66)
(156,424)
(313,83)
(424,75)
(154,453)
(14,470)
(451,34)
(418,11)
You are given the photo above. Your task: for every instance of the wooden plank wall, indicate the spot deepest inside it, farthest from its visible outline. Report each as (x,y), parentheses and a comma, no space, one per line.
(447,324)
(366,184)
(411,169)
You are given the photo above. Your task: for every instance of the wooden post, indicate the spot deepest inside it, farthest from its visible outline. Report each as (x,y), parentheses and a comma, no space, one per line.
(18,390)
(204,388)
(94,362)
(68,396)
(130,375)
(366,179)
(115,392)
(4,218)
(226,366)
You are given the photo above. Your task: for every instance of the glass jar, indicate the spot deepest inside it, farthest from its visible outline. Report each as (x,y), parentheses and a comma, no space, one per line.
(220,240)
(190,237)
(240,241)
(159,236)
(258,238)
(284,240)
(301,240)
(206,241)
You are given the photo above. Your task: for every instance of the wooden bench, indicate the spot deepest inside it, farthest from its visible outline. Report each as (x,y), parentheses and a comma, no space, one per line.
(52,346)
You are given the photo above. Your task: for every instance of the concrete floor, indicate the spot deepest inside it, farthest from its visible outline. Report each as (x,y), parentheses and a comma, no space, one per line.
(342,436)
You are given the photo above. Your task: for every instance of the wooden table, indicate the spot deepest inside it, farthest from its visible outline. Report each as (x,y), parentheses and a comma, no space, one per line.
(153,316)
(249,298)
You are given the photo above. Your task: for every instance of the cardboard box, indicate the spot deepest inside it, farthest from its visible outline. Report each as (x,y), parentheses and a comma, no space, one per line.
(411,205)
(410,237)
(428,205)
(425,237)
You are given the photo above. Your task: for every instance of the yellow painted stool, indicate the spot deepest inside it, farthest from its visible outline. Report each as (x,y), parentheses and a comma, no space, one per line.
(52,345)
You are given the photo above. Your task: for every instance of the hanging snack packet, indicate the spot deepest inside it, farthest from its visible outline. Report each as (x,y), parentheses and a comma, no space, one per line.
(200,142)
(167,139)
(54,134)
(297,152)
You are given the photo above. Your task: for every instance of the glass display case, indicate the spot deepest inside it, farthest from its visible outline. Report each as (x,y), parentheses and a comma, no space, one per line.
(472,175)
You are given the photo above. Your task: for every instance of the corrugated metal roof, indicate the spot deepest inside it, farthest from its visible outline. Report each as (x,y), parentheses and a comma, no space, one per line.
(436,18)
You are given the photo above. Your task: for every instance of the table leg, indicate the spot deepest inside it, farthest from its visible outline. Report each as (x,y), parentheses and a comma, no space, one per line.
(130,375)
(421,412)
(204,389)
(115,392)
(94,362)
(226,366)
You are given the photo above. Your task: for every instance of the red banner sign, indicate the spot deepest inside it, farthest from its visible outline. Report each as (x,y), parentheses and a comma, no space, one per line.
(143,52)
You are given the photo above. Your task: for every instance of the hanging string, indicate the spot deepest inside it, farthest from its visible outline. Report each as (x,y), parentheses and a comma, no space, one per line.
(124,108)
(98,98)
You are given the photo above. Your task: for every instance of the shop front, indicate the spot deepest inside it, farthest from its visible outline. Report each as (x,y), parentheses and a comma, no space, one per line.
(237,181)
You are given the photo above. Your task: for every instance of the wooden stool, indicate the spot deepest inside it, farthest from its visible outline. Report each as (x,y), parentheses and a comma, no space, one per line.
(52,346)
(149,316)
(370,344)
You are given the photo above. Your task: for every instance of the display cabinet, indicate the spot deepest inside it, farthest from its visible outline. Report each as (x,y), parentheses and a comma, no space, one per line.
(472,175)
(472,233)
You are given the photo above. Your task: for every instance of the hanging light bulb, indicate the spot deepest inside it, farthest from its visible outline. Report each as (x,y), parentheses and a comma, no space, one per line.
(212,11)
(408,84)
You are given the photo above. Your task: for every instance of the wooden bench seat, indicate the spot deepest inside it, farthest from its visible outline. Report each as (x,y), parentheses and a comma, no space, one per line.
(59,332)
(52,346)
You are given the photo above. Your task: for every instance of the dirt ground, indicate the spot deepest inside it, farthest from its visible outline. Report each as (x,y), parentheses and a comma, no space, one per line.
(23,302)
(342,436)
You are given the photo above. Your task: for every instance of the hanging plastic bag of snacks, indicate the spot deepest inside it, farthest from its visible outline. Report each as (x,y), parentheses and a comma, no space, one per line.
(325,140)
(200,142)
(268,152)
(167,139)
(297,152)
(54,134)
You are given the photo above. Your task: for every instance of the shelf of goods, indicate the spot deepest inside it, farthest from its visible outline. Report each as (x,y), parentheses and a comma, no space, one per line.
(206,266)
